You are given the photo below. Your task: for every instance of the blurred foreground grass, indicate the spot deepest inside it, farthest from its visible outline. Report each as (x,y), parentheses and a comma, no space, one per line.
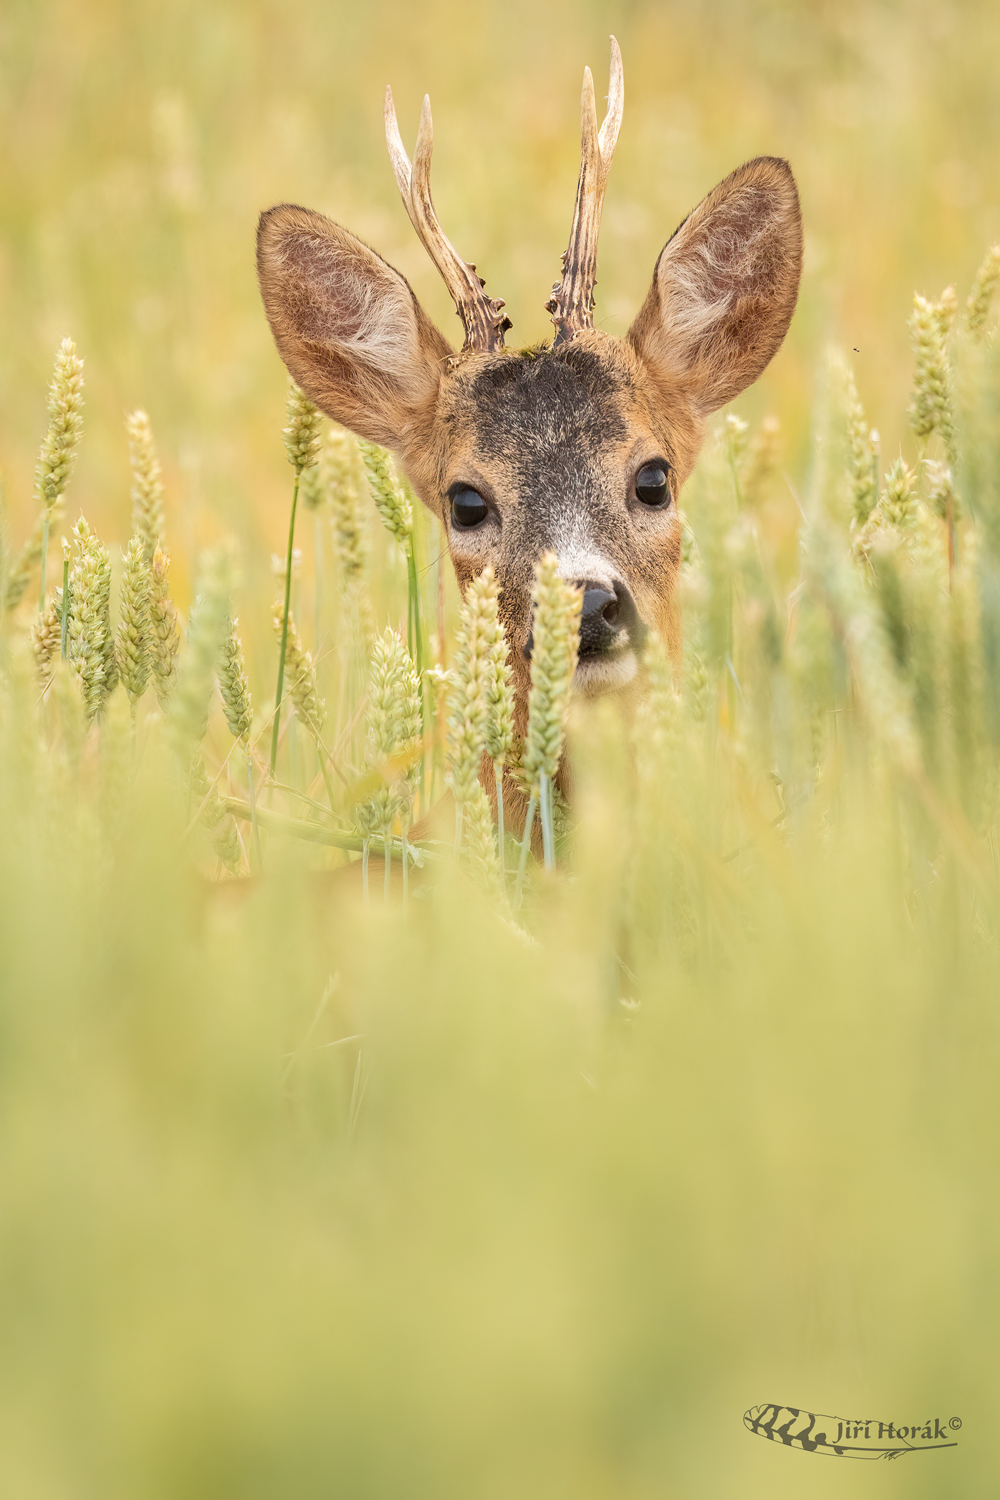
(303,1197)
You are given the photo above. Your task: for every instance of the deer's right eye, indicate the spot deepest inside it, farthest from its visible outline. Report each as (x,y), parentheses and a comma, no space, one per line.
(468,508)
(652,484)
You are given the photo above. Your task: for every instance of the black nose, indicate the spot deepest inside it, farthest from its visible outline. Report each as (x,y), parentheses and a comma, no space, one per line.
(608,619)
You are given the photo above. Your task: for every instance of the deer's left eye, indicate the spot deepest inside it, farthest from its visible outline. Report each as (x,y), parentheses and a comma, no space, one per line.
(652,484)
(468,507)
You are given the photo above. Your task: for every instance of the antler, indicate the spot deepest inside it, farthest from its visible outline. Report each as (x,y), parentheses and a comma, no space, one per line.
(572,300)
(482,317)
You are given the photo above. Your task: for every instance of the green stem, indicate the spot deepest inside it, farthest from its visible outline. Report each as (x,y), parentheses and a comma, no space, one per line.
(292,745)
(438,738)
(388,870)
(525,846)
(364,870)
(406,855)
(459,810)
(254,826)
(321,757)
(45,558)
(284,627)
(318,566)
(315,833)
(415,641)
(548,832)
(411,573)
(498,778)
(65,608)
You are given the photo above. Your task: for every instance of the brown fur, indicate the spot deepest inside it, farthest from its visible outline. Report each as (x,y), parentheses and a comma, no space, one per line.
(552,438)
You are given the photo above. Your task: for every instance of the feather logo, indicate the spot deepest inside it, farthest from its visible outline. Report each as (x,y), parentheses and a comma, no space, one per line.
(840,1438)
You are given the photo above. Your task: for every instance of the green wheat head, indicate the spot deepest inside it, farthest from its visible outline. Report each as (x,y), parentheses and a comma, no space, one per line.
(555,627)
(300,675)
(301,433)
(234,686)
(208,626)
(147,484)
(46,639)
(55,462)
(393,726)
(931,405)
(862,460)
(164,628)
(499,676)
(134,640)
(387,491)
(980,300)
(90,645)
(341,463)
(468,707)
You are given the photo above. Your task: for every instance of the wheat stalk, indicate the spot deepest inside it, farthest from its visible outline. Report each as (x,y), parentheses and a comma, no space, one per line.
(55,462)
(931,405)
(163,624)
(467,700)
(134,642)
(302,439)
(147,483)
(208,623)
(555,628)
(980,298)
(90,646)
(393,725)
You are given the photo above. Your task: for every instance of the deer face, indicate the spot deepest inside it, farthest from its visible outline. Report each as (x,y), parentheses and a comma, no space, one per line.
(563,450)
(579,447)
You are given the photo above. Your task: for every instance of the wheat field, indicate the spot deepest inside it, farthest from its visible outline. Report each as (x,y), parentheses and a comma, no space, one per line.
(499,1191)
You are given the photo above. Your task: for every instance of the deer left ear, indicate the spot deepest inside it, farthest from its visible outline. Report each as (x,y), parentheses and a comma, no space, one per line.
(347,325)
(725,286)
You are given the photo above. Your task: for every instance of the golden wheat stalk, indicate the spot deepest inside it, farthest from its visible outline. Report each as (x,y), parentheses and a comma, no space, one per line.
(555,628)
(931,406)
(164,632)
(134,641)
(147,484)
(90,646)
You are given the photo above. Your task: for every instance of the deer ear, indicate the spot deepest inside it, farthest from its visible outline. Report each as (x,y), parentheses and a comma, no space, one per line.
(347,325)
(725,286)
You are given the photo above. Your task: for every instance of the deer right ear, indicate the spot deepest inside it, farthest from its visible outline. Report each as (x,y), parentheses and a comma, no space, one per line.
(347,325)
(725,286)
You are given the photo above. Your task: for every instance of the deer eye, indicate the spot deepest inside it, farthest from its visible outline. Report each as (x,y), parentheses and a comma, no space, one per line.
(468,507)
(652,485)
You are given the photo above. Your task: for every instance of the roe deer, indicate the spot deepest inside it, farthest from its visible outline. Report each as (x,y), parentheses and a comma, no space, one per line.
(580,446)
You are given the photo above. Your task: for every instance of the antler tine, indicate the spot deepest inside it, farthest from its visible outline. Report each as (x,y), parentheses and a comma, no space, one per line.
(397,154)
(482,317)
(572,300)
(608,138)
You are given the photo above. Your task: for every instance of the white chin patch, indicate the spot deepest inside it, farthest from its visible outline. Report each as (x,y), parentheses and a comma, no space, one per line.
(605,674)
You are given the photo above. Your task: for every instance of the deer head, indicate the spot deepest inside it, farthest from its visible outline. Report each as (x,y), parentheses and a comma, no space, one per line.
(580,446)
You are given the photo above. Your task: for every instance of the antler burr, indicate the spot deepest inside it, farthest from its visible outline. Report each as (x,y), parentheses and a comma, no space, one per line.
(482,317)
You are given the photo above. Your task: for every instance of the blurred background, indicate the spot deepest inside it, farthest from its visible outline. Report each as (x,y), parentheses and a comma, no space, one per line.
(300,1200)
(141,142)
